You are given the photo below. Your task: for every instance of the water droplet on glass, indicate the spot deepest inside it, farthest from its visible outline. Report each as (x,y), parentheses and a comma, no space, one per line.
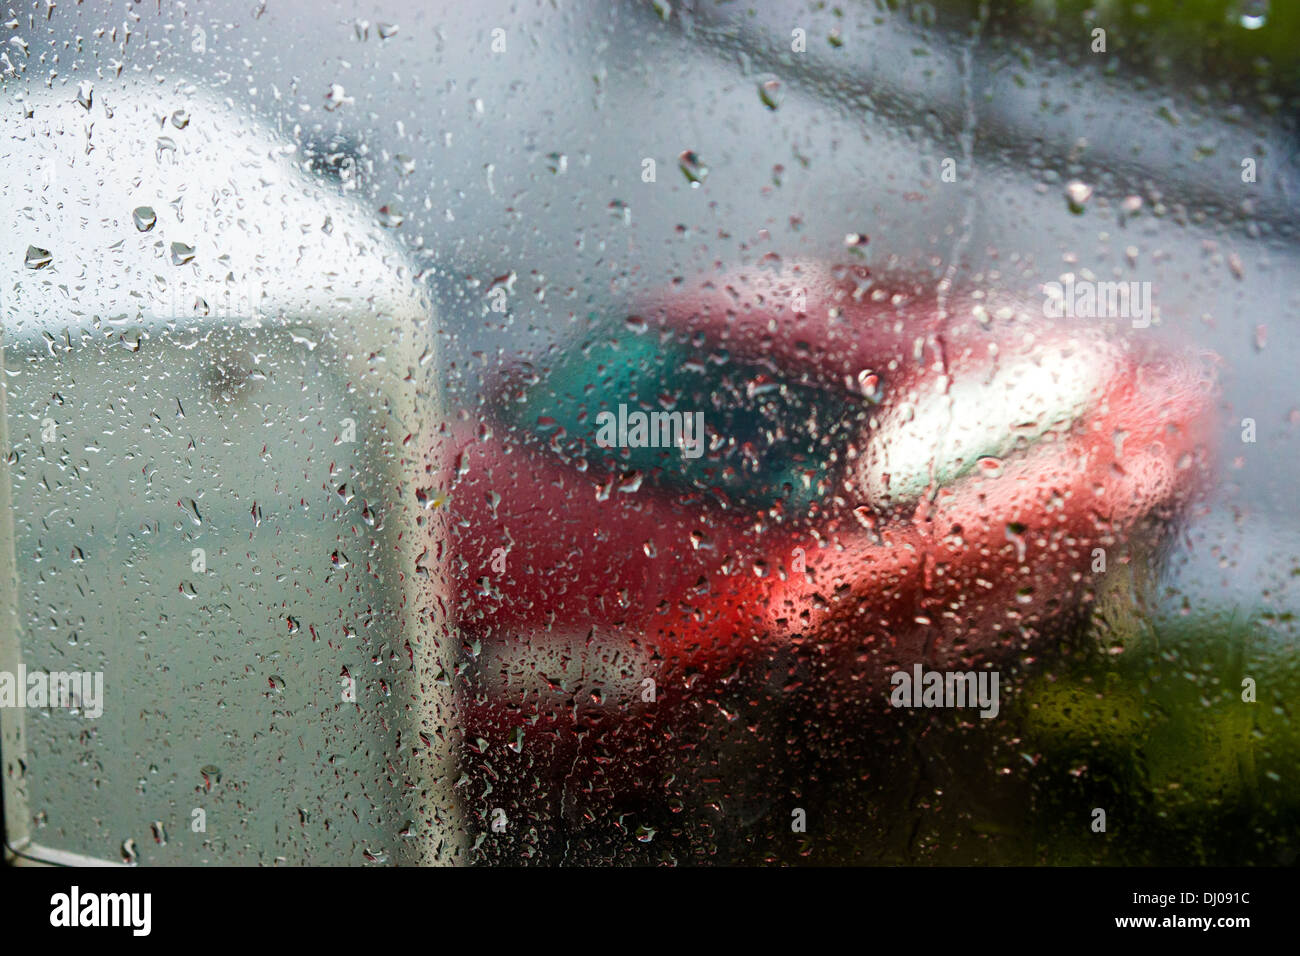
(692,168)
(1236,266)
(211,776)
(86,95)
(429,498)
(771,93)
(1077,195)
(390,217)
(144,218)
(129,854)
(1015,533)
(336,97)
(37,258)
(181,253)
(1254,14)
(870,387)
(180,119)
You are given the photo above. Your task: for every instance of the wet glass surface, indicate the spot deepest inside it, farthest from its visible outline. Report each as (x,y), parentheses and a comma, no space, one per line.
(648,433)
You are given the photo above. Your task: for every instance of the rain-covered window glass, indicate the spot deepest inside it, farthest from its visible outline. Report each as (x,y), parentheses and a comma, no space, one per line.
(649,433)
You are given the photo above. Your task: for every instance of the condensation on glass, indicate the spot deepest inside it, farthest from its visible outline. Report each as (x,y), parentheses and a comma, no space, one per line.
(316,320)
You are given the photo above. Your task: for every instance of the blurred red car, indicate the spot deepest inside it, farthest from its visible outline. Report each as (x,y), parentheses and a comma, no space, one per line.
(888,480)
